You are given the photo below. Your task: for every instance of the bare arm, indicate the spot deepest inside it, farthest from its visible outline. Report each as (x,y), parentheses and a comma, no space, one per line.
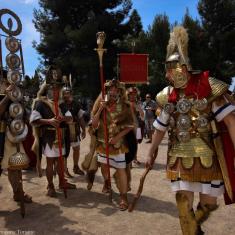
(41,122)
(83,127)
(115,139)
(96,117)
(156,140)
(141,112)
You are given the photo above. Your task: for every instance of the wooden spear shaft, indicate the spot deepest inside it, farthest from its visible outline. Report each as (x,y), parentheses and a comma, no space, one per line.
(100,50)
(141,185)
(59,136)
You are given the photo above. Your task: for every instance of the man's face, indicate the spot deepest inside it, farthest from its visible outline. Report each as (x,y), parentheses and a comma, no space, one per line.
(177,75)
(53,90)
(132,97)
(148,97)
(54,74)
(67,96)
(113,93)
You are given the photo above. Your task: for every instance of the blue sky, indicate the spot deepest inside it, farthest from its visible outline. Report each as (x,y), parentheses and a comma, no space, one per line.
(147,9)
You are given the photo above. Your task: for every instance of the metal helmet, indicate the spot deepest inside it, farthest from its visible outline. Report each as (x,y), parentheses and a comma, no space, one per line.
(177,56)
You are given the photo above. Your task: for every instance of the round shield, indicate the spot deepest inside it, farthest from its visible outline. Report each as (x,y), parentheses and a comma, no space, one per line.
(12,44)
(169,108)
(183,122)
(183,136)
(201,104)
(13,76)
(15,94)
(17,138)
(13,61)
(16,110)
(202,121)
(17,127)
(183,105)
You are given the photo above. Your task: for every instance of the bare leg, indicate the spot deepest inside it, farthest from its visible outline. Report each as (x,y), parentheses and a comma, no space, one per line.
(76,156)
(104,171)
(135,159)
(128,173)
(122,176)
(62,181)
(15,179)
(66,170)
(49,174)
(49,171)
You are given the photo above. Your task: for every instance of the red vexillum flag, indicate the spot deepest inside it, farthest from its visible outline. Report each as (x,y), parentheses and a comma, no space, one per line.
(133,68)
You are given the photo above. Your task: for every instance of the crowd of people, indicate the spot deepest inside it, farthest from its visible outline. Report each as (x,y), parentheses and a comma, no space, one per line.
(193,110)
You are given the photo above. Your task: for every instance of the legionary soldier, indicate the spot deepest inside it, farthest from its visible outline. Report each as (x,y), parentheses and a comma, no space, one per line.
(74,133)
(46,123)
(119,124)
(10,148)
(195,106)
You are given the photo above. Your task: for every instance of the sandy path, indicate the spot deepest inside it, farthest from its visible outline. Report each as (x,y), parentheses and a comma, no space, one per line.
(85,212)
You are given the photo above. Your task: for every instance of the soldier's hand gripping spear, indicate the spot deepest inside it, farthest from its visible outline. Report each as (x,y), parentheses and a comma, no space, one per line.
(100,50)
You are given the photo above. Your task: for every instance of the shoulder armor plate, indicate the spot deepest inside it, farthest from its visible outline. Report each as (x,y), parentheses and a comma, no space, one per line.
(162,96)
(218,88)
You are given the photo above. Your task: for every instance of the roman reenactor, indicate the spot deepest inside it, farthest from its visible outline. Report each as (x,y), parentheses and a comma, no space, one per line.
(49,128)
(76,130)
(198,114)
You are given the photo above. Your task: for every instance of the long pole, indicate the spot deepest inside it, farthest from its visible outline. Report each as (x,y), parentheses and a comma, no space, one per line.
(59,136)
(141,184)
(100,50)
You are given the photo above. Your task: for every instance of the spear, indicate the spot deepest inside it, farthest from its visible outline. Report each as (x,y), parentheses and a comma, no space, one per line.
(100,50)
(141,185)
(59,136)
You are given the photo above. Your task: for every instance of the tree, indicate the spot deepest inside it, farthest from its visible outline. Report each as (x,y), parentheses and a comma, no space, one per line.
(218,21)
(158,36)
(197,42)
(31,85)
(68,30)
(135,24)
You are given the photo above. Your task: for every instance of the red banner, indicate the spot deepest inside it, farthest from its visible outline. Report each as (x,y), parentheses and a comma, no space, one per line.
(133,68)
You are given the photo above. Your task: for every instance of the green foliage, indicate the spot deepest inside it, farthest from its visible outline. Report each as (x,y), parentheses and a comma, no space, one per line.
(197,43)
(68,30)
(218,22)
(154,42)
(31,85)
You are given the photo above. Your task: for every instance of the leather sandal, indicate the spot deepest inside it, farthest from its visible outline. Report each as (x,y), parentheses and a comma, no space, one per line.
(136,162)
(67,174)
(27,198)
(106,187)
(123,205)
(67,186)
(77,170)
(51,191)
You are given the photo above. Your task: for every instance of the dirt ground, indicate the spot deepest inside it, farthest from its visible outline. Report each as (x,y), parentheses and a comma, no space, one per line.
(90,212)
